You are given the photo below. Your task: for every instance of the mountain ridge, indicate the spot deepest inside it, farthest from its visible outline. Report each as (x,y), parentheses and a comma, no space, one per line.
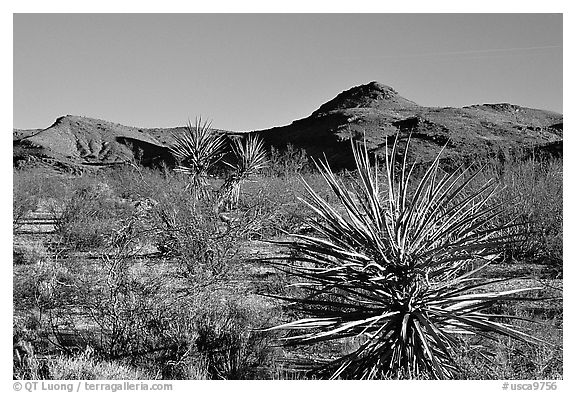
(373,112)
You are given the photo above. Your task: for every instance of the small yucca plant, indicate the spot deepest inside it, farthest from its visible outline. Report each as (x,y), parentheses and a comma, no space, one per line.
(250,158)
(395,269)
(197,150)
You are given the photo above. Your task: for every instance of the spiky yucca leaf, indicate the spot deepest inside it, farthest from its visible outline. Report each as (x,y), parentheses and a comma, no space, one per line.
(395,268)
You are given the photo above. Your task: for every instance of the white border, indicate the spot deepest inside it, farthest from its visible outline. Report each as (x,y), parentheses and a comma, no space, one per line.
(307,6)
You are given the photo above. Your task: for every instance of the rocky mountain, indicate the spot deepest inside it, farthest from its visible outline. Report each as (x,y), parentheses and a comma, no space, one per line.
(372,112)
(376,113)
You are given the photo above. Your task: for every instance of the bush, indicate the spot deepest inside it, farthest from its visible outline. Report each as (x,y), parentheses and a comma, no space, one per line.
(288,162)
(29,189)
(46,285)
(126,306)
(29,251)
(533,198)
(91,213)
(230,342)
(509,359)
(202,242)
(134,183)
(276,201)
(25,362)
(39,185)
(23,204)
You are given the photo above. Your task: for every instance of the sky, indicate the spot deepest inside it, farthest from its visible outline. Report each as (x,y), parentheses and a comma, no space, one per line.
(255,71)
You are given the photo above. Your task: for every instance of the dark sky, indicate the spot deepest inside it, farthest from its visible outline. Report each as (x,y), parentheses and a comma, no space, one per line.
(253,71)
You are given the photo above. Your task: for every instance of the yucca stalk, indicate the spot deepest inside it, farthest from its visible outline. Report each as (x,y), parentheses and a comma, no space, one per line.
(250,158)
(197,150)
(396,269)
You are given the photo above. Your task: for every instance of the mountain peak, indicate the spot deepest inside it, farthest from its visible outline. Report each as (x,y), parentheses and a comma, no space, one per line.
(379,87)
(72,119)
(369,95)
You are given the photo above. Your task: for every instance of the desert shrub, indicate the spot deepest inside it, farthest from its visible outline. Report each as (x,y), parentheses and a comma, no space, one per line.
(508,359)
(126,312)
(43,286)
(23,202)
(123,310)
(128,181)
(85,219)
(195,235)
(398,271)
(289,161)
(29,251)
(532,196)
(147,317)
(230,342)
(154,321)
(30,188)
(276,199)
(39,185)
(125,305)
(134,182)
(505,358)
(25,362)
(45,299)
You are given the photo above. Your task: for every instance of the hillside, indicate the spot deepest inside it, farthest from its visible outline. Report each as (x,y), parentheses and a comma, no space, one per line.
(372,111)
(379,112)
(76,140)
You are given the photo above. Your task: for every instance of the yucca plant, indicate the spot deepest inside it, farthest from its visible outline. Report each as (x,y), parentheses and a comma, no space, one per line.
(250,158)
(197,150)
(395,268)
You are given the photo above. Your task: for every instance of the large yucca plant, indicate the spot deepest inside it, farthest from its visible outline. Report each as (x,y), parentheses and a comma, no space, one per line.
(250,157)
(395,268)
(197,150)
